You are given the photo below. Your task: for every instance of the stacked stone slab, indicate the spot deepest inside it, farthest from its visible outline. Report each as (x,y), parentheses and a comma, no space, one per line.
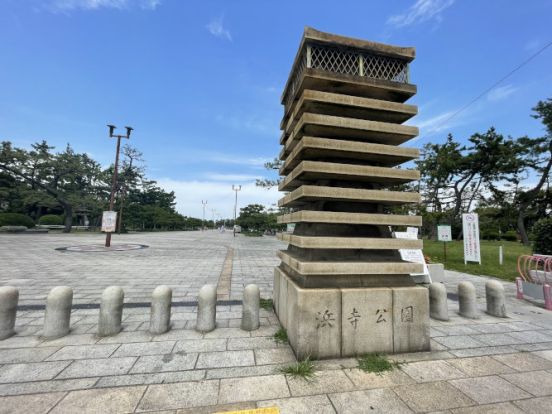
(341,288)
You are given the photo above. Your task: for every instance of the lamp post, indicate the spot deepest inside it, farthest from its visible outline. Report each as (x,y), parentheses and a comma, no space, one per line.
(115,172)
(203,221)
(236,189)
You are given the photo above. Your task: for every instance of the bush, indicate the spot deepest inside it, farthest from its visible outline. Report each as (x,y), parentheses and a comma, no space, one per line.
(510,235)
(50,220)
(542,231)
(16,219)
(489,235)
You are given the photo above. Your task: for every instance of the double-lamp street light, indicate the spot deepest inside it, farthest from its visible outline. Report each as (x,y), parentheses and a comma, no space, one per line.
(115,172)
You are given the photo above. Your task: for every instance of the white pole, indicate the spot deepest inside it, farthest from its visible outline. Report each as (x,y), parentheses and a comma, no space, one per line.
(500,255)
(203,221)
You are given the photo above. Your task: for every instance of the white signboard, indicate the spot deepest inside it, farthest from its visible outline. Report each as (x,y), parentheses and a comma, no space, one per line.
(412,230)
(109,221)
(470,226)
(444,233)
(412,255)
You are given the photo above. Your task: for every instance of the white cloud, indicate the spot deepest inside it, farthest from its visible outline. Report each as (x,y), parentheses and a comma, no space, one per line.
(217,29)
(421,11)
(254,162)
(239,178)
(70,5)
(219,196)
(435,124)
(500,93)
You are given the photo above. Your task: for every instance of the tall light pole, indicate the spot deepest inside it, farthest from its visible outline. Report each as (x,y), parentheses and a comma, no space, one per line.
(236,189)
(115,172)
(203,221)
(213,211)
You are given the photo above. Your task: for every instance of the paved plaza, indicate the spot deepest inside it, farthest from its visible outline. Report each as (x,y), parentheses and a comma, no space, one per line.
(185,261)
(487,365)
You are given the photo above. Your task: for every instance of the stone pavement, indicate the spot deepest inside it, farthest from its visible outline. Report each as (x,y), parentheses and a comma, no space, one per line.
(487,365)
(184,261)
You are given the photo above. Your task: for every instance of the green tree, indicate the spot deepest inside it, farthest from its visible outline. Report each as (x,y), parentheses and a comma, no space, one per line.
(535,155)
(253,217)
(272,166)
(69,178)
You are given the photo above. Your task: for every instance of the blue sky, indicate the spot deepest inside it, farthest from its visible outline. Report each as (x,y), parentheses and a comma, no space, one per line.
(200,81)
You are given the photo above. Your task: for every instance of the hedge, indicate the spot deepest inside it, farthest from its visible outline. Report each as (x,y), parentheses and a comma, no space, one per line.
(50,219)
(542,232)
(16,219)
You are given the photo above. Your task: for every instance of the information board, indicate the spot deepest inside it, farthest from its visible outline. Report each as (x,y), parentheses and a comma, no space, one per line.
(444,233)
(470,227)
(109,221)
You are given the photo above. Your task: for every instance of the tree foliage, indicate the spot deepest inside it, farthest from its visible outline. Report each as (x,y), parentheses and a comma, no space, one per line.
(542,231)
(488,175)
(41,183)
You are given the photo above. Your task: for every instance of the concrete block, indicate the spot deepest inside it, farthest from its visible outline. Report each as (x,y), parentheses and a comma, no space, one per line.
(496,301)
(9,296)
(276,291)
(206,308)
(366,321)
(410,319)
(57,317)
(283,301)
(438,307)
(467,300)
(160,317)
(250,308)
(436,272)
(111,311)
(314,321)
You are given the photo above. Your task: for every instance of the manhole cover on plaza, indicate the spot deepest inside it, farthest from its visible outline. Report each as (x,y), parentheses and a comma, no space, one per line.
(98,248)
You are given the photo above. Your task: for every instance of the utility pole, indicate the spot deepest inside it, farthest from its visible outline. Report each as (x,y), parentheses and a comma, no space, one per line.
(203,221)
(236,189)
(115,172)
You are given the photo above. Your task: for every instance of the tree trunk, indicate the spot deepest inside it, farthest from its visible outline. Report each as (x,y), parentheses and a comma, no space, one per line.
(521,228)
(68,209)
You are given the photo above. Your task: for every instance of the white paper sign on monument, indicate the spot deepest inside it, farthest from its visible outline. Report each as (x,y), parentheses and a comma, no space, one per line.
(109,221)
(412,255)
(470,226)
(444,233)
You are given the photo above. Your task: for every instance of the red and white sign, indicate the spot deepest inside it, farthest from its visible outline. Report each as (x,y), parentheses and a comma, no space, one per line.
(470,226)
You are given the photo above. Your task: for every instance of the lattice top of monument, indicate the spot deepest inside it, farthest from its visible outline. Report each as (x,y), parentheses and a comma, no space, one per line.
(348,56)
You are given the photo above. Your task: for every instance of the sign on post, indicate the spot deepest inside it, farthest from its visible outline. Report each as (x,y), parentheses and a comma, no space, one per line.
(444,233)
(470,227)
(109,221)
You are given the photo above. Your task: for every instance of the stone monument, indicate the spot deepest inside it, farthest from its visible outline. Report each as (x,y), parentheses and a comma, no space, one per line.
(341,288)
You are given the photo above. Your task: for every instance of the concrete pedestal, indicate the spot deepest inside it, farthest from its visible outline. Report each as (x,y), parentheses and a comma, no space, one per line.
(342,288)
(347,322)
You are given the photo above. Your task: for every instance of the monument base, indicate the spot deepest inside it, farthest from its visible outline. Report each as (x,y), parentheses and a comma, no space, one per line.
(347,322)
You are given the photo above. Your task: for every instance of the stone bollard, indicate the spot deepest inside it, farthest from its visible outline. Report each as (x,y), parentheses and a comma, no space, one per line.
(57,317)
(496,301)
(438,308)
(250,308)
(9,296)
(160,318)
(467,300)
(207,308)
(111,311)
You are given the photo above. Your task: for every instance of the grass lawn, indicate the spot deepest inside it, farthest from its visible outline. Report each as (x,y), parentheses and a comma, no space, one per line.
(489,257)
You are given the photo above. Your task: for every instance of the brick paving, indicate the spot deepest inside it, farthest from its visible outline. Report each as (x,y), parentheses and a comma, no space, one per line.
(486,365)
